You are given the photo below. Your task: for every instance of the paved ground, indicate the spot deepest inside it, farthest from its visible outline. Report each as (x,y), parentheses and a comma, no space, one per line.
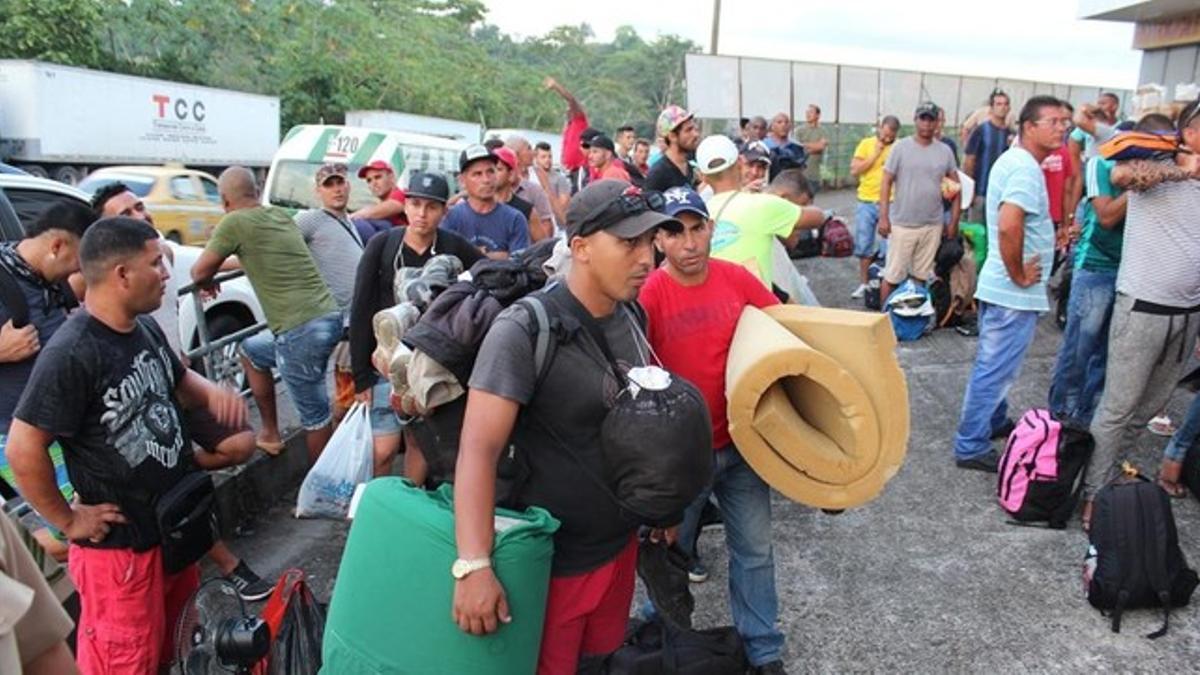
(928,577)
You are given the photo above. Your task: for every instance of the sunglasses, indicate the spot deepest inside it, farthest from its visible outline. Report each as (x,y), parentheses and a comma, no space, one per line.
(631,202)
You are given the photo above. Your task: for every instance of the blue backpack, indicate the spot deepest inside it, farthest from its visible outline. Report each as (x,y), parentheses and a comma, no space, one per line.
(910,310)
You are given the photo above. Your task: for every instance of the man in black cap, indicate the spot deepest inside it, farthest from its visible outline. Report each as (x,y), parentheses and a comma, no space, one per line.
(610,229)
(914,172)
(498,230)
(755,159)
(409,246)
(602,158)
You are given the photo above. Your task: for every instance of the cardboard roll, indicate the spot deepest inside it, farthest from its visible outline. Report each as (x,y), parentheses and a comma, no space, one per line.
(818,405)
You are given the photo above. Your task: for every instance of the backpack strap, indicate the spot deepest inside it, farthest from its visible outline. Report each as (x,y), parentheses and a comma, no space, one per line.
(1125,518)
(14,299)
(1154,554)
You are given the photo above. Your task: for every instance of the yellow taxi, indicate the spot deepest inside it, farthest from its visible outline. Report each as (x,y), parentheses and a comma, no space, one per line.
(184,203)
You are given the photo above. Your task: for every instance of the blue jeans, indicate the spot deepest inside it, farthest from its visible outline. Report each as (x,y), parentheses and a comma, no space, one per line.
(1187,434)
(1079,370)
(745,502)
(1004,337)
(866,220)
(302,356)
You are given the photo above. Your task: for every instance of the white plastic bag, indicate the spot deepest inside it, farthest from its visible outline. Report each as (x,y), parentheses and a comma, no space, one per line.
(346,462)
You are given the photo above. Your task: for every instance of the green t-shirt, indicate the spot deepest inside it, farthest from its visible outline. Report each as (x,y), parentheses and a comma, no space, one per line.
(272,251)
(1099,247)
(806,134)
(745,227)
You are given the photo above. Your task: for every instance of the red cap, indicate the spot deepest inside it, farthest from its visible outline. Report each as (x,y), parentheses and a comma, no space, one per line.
(507,156)
(375,164)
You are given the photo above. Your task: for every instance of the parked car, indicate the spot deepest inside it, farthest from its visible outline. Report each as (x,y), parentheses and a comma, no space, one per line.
(22,200)
(184,202)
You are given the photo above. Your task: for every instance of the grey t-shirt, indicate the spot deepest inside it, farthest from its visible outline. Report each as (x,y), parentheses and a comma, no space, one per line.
(572,400)
(1160,258)
(917,183)
(336,247)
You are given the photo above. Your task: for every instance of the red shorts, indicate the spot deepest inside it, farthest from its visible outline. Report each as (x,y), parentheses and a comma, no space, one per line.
(129,608)
(587,613)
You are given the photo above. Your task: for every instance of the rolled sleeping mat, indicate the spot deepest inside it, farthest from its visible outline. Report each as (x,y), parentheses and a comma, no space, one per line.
(864,344)
(803,420)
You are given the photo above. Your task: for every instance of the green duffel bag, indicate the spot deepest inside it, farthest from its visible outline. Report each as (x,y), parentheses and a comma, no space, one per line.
(976,233)
(392,602)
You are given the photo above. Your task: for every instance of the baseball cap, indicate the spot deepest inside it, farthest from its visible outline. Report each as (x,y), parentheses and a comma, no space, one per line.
(428,185)
(375,164)
(602,141)
(927,109)
(618,208)
(473,153)
(327,171)
(670,118)
(507,156)
(757,151)
(586,136)
(715,154)
(679,199)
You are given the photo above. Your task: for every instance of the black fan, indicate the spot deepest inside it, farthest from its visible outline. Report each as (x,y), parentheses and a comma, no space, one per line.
(216,635)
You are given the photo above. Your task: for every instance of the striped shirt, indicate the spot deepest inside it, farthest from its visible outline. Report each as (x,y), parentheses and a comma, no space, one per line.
(1017,179)
(1160,261)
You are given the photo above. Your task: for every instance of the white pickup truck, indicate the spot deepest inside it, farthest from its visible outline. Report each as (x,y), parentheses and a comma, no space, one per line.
(24,197)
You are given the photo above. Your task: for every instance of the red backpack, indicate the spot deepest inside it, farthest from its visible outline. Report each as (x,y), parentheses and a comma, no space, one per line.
(836,240)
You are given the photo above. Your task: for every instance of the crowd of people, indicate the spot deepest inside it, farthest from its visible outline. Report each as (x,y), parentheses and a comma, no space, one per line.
(668,240)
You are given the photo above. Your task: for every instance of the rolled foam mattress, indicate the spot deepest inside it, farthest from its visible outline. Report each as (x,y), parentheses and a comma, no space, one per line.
(391,605)
(818,405)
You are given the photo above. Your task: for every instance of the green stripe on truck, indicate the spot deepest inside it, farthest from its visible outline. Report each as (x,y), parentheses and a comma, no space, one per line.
(321,146)
(367,149)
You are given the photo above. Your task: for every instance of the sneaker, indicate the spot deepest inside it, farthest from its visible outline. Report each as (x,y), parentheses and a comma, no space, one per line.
(967,329)
(772,668)
(249,585)
(1005,429)
(987,462)
(1161,426)
(697,572)
(859,292)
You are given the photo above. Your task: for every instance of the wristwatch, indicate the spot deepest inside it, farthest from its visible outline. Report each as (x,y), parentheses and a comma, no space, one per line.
(461,568)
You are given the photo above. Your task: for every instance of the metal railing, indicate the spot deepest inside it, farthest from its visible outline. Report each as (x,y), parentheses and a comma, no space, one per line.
(220,363)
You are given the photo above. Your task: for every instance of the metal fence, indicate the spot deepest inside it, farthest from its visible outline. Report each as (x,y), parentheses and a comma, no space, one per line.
(219,356)
(852,99)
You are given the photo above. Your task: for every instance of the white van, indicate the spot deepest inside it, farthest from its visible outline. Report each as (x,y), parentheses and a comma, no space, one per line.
(290,181)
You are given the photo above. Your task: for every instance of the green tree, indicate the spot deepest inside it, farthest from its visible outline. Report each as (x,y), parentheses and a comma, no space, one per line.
(60,32)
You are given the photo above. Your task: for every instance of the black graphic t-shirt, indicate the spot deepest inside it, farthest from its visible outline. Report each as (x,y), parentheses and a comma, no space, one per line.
(109,399)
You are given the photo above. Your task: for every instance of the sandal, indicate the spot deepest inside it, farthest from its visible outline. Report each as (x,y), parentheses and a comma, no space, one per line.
(271,448)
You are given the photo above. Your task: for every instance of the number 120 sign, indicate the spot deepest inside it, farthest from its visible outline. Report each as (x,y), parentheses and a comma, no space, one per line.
(341,147)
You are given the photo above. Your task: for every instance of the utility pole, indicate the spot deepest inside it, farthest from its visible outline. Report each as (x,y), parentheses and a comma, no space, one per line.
(716,26)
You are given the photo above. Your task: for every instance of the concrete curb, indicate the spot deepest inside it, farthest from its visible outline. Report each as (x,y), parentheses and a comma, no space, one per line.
(249,490)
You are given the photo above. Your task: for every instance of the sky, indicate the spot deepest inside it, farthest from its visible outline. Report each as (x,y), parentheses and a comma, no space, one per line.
(1040,40)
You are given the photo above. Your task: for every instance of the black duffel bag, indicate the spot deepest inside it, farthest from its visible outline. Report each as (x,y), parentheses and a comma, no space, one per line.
(653,648)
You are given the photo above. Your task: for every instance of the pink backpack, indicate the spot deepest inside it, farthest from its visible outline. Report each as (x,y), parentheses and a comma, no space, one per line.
(1041,471)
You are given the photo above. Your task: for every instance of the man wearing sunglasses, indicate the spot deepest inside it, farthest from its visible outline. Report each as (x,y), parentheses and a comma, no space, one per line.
(610,230)
(1157,310)
(1012,283)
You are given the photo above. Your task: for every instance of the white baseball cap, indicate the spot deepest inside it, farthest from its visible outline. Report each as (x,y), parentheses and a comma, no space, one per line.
(715,154)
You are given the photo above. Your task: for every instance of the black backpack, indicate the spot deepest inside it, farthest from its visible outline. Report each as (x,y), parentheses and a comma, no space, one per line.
(653,648)
(14,300)
(1135,553)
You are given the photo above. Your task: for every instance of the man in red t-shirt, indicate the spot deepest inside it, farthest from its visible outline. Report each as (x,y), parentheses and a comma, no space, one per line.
(693,304)
(381,179)
(1061,173)
(603,160)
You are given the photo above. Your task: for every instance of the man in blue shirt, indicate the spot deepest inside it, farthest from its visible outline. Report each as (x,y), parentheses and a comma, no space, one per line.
(497,229)
(1012,284)
(989,140)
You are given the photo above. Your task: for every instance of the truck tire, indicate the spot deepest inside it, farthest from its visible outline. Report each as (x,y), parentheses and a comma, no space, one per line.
(35,170)
(68,174)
